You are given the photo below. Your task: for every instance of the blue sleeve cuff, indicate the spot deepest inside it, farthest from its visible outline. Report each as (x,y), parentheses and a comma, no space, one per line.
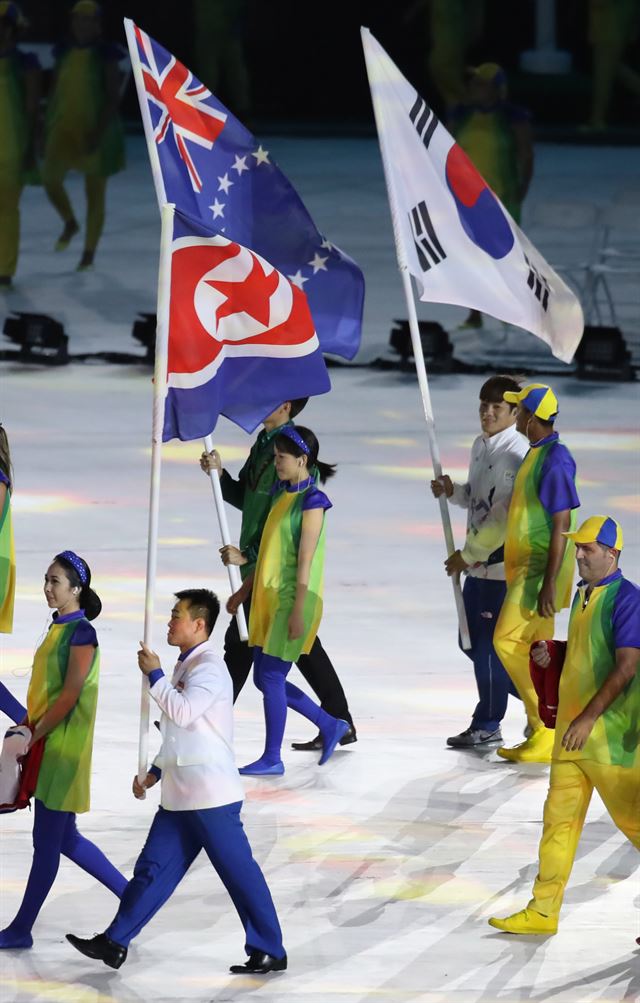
(154,675)
(157,772)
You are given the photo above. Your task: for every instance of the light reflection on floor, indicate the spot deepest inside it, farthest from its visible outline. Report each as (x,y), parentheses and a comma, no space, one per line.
(385,863)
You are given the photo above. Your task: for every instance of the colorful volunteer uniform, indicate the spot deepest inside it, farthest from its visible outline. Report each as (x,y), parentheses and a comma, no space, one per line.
(610,758)
(274,586)
(65,773)
(63,781)
(272,601)
(544,486)
(7,561)
(494,463)
(252,493)
(74,111)
(608,619)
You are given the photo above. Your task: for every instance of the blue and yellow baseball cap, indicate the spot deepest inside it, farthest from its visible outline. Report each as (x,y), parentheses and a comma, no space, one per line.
(537,398)
(599,529)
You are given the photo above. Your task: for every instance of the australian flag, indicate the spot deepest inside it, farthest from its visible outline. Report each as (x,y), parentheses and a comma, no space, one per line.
(213,169)
(241,336)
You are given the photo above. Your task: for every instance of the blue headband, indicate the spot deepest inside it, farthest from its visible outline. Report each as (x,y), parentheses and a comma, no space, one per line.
(291,433)
(76,563)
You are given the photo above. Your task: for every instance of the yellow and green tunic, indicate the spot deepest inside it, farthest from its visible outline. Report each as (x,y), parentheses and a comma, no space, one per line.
(64,778)
(544,485)
(7,561)
(608,619)
(75,108)
(252,493)
(274,585)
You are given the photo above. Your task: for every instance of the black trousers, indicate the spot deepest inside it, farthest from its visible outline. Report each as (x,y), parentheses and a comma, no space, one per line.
(316,667)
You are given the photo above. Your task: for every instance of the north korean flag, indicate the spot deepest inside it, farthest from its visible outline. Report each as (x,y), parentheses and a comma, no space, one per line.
(241,336)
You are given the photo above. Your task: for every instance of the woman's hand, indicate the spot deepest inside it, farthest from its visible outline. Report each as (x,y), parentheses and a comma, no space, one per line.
(232,555)
(296,624)
(211,461)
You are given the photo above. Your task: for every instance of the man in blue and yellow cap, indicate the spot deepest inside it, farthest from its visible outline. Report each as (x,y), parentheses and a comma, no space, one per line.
(597,735)
(538,561)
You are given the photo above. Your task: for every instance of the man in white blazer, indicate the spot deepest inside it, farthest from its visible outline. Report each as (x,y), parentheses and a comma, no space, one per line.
(201,797)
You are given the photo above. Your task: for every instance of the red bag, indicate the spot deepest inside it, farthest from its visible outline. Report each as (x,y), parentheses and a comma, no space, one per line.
(546,682)
(29,768)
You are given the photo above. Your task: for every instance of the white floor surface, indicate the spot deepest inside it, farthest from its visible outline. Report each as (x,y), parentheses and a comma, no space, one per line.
(385,863)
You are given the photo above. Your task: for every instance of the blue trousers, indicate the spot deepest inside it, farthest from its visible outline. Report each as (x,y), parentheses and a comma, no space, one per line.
(270,676)
(10,706)
(174,841)
(55,833)
(483,600)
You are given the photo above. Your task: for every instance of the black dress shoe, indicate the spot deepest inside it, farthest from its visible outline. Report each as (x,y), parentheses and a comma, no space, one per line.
(315,745)
(259,963)
(100,947)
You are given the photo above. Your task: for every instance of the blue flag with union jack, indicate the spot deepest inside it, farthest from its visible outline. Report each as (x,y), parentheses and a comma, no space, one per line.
(241,336)
(213,168)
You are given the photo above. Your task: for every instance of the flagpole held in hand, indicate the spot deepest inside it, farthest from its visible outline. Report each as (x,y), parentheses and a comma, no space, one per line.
(418,355)
(159,394)
(235,581)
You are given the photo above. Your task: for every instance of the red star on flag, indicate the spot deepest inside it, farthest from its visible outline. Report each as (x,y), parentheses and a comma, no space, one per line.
(251,296)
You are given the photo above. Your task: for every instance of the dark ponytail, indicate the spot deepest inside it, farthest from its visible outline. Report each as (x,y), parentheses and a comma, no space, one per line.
(79,575)
(287,445)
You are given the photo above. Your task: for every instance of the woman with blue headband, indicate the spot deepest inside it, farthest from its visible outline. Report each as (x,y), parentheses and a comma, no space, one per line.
(286,594)
(61,707)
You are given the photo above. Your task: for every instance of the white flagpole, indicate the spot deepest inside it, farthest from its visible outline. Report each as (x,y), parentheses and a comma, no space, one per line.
(154,158)
(418,355)
(235,580)
(159,394)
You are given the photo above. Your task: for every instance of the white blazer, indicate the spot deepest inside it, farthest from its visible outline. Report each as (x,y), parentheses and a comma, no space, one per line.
(196,755)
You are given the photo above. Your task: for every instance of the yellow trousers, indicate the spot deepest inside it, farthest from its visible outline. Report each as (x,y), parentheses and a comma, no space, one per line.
(516,630)
(10,191)
(95,186)
(571,785)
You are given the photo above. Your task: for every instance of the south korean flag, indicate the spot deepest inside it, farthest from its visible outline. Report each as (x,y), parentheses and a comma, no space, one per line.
(453,233)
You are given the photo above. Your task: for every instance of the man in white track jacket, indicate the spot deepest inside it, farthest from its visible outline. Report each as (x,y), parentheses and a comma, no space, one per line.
(495,458)
(201,797)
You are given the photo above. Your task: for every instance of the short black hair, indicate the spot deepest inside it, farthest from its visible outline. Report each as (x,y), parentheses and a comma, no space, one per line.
(297,406)
(493,389)
(202,603)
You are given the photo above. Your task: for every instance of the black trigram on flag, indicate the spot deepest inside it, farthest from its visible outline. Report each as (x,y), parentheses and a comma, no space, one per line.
(423,119)
(429,248)
(538,285)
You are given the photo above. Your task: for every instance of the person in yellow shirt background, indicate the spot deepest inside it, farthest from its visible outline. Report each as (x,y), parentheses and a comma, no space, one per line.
(20,84)
(83,131)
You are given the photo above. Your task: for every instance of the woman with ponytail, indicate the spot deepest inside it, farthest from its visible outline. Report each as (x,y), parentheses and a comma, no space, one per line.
(286,594)
(61,707)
